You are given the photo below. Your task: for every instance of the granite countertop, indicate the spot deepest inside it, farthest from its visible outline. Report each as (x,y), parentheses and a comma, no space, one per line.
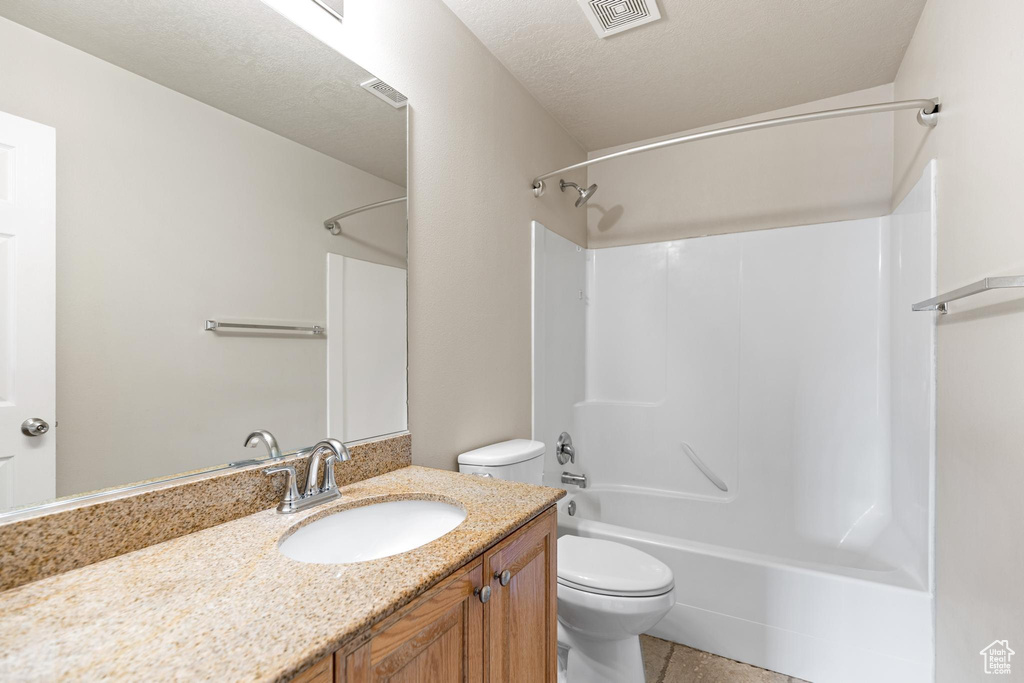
(225,604)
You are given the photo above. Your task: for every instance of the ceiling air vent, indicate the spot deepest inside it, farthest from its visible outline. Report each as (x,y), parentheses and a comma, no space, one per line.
(386,92)
(609,17)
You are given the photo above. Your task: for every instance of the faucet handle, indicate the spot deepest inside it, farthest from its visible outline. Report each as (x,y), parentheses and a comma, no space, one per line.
(341,456)
(291,494)
(564,450)
(329,481)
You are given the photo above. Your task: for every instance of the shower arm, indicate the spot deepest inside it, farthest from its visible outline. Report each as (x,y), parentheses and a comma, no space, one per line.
(927,116)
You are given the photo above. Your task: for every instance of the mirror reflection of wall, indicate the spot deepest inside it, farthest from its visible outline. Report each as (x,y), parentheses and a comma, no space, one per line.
(199,150)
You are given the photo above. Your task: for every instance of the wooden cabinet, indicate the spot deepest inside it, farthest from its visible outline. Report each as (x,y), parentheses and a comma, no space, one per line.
(321,672)
(439,640)
(521,624)
(459,631)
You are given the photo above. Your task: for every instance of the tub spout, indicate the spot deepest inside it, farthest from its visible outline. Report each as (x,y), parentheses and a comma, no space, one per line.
(574,479)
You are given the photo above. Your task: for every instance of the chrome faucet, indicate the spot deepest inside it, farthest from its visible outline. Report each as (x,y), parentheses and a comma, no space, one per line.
(262,436)
(574,479)
(314,493)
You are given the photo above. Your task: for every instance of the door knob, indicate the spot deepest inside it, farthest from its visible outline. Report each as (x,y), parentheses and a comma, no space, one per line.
(503,577)
(483,593)
(34,426)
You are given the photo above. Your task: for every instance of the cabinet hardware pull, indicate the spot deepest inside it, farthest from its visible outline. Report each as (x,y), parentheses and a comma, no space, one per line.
(503,577)
(483,593)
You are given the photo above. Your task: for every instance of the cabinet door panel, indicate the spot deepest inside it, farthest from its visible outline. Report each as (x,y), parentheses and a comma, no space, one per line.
(527,615)
(439,641)
(522,617)
(443,660)
(321,672)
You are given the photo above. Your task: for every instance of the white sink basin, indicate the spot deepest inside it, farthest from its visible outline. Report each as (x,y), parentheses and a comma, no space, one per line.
(372,531)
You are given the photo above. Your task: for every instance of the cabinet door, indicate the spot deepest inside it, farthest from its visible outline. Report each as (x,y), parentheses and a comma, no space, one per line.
(521,626)
(440,640)
(321,672)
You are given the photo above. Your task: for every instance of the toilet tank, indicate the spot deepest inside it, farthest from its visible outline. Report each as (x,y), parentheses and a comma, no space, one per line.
(515,460)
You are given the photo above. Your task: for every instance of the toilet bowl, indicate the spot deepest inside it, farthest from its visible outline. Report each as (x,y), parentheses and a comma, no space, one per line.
(608,594)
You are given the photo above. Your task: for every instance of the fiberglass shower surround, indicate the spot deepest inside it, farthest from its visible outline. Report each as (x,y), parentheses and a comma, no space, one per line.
(790,363)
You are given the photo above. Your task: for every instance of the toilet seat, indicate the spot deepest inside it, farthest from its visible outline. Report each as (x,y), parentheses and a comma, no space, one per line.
(602,567)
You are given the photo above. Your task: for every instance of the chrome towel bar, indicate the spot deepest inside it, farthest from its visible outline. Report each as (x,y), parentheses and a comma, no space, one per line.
(938,303)
(214,325)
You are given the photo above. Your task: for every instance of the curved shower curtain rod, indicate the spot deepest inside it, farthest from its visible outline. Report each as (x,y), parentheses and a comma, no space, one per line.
(928,116)
(332,222)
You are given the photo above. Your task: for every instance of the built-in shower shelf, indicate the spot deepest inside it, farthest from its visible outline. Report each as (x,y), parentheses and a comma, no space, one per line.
(938,303)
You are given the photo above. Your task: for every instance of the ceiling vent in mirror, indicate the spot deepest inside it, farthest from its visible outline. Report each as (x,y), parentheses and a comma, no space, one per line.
(609,17)
(386,92)
(336,8)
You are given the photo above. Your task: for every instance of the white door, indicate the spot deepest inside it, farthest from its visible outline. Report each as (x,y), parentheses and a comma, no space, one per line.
(28,167)
(366,349)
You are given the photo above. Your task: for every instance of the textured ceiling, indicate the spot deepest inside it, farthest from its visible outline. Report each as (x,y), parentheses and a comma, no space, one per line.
(705,62)
(241,57)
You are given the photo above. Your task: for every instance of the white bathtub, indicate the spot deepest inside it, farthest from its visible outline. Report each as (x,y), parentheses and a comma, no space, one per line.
(814,612)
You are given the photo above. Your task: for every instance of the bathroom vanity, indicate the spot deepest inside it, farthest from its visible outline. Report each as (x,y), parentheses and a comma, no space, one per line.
(495,616)
(224,603)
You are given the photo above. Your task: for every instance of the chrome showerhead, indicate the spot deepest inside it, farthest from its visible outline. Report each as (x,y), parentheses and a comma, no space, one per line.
(585,195)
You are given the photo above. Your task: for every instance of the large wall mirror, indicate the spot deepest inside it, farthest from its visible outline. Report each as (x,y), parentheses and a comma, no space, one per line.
(166,172)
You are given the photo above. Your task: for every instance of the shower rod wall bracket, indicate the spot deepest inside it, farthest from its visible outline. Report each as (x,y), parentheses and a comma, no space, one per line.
(928,111)
(929,119)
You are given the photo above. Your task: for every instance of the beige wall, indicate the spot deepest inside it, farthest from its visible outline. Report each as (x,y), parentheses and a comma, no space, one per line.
(477,138)
(970,55)
(170,212)
(795,175)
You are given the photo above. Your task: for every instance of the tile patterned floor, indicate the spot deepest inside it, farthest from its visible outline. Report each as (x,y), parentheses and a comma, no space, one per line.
(666,662)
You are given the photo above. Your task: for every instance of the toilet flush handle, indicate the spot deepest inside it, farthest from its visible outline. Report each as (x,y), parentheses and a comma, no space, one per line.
(503,577)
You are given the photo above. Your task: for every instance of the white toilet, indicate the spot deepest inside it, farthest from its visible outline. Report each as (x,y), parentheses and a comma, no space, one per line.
(608,593)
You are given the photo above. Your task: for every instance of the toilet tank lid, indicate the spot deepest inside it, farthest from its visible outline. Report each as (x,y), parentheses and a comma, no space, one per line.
(504,453)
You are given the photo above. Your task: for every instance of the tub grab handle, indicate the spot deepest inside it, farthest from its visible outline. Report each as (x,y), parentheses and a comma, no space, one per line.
(705,470)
